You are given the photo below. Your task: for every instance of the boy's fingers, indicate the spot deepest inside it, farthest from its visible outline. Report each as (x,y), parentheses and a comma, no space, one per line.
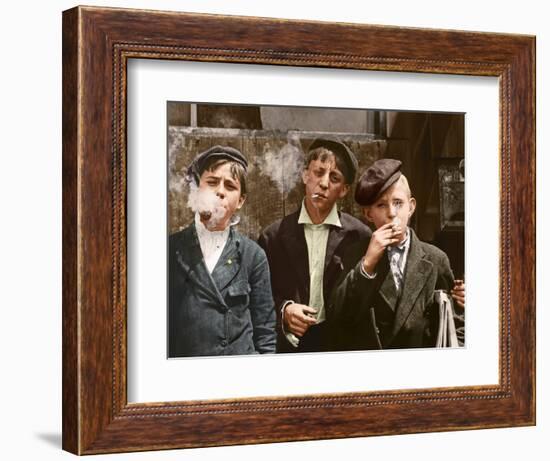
(306,320)
(299,328)
(299,323)
(387,233)
(309,310)
(306,317)
(297,331)
(460,300)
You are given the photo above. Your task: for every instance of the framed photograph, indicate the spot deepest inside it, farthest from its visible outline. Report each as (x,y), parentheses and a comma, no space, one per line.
(205,156)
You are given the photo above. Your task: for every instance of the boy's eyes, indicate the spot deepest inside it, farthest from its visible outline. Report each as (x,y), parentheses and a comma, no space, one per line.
(333,177)
(215,182)
(396,203)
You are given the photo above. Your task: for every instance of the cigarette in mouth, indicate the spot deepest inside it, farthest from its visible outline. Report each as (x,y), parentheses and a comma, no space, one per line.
(315,195)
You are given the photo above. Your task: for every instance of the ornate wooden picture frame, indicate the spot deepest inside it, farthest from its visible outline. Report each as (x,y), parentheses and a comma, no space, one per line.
(97,44)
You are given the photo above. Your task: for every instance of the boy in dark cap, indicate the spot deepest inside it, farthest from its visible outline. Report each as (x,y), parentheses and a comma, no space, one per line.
(305,248)
(385,299)
(219,297)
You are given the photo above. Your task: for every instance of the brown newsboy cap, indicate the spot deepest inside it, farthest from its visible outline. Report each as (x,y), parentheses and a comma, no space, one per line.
(376,179)
(342,151)
(196,169)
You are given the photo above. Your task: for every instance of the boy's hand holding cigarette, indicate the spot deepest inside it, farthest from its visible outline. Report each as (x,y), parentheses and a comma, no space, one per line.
(388,234)
(298,318)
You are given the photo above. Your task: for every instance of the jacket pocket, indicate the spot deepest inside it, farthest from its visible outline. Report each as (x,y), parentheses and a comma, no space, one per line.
(238,294)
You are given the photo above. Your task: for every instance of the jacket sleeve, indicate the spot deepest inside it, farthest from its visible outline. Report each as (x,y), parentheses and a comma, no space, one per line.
(350,292)
(347,310)
(262,310)
(173,301)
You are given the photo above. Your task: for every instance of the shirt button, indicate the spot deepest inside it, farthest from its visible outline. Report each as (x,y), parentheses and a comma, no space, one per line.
(224,343)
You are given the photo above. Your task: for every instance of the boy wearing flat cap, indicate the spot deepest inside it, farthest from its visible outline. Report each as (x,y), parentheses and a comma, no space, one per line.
(385,299)
(219,289)
(305,248)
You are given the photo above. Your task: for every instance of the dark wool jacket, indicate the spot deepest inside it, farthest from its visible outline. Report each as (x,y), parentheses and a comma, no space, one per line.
(224,313)
(285,245)
(368,314)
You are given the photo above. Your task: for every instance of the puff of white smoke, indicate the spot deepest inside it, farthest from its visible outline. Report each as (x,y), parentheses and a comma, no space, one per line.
(283,166)
(207,204)
(176,180)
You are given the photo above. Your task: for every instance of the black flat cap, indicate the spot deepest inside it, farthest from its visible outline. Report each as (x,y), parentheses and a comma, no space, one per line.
(196,169)
(342,151)
(376,179)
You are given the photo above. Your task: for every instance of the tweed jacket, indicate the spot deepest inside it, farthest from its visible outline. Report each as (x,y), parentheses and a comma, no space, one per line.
(224,313)
(285,245)
(369,314)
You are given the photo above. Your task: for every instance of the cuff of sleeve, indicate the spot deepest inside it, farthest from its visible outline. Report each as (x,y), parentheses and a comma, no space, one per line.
(364,273)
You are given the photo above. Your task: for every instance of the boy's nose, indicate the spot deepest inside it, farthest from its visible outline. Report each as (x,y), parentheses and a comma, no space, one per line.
(220,191)
(324,182)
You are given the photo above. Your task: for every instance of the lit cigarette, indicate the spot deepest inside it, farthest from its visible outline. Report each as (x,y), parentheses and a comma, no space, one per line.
(315,195)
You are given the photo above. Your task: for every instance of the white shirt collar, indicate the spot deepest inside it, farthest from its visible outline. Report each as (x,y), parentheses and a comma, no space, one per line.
(212,243)
(402,248)
(332,218)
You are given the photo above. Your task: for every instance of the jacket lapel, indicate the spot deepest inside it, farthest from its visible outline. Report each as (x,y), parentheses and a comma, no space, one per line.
(387,291)
(333,262)
(229,263)
(294,241)
(417,272)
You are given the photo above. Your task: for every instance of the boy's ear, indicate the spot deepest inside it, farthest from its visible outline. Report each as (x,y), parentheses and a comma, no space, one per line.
(344,191)
(412,206)
(305,175)
(242,199)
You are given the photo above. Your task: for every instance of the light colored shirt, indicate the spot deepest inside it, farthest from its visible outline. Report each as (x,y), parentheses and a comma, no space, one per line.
(316,240)
(211,242)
